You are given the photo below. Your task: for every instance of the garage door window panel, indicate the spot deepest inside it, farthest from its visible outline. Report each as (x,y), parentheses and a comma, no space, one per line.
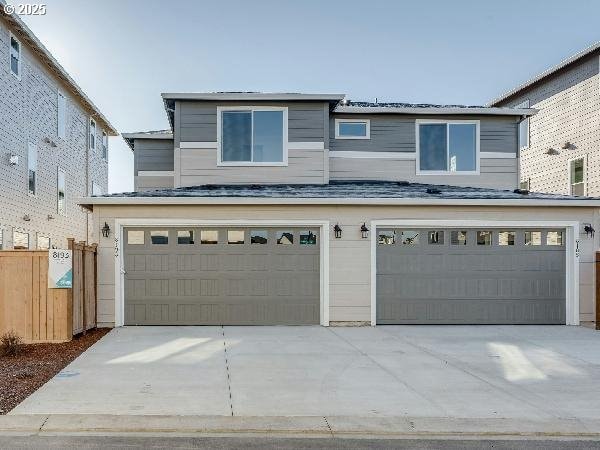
(185,237)
(209,237)
(554,238)
(259,237)
(386,237)
(235,237)
(484,238)
(410,237)
(458,237)
(435,238)
(533,238)
(159,237)
(135,237)
(308,237)
(285,237)
(506,238)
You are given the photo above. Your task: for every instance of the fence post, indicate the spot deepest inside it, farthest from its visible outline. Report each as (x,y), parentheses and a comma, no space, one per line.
(70,307)
(83,293)
(597,290)
(95,268)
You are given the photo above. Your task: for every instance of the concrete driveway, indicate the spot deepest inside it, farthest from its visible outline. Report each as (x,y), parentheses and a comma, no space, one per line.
(533,372)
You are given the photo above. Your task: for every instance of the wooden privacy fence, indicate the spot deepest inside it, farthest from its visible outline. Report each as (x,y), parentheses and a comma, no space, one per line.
(39,314)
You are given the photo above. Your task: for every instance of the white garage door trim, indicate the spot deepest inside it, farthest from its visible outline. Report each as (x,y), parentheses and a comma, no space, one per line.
(571,248)
(120,224)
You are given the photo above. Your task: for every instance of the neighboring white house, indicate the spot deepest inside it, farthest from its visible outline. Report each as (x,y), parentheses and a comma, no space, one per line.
(53,145)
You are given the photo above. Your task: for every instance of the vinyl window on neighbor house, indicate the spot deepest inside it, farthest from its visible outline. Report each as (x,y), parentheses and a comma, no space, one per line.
(20,240)
(61,193)
(61,116)
(252,136)
(104,145)
(524,127)
(352,129)
(96,189)
(43,242)
(92,134)
(15,57)
(577,176)
(32,154)
(447,147)
(1,239)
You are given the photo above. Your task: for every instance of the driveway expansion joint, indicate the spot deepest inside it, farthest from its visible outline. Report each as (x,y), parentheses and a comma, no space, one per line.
(227,370)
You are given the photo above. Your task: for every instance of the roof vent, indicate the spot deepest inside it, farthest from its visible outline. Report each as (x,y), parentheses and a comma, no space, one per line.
(433,191)
(521,191)
(552,151)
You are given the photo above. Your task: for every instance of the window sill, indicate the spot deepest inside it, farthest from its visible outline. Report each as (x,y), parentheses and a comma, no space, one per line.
(363,138)
(447,173)
(251,164)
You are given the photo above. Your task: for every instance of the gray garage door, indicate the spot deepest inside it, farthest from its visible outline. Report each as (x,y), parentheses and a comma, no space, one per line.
(221,276)
(467,276)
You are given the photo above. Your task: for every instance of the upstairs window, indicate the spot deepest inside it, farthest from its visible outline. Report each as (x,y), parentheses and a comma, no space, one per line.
(252,136)
(577,176)
(20,240)
(32,155)
(447,147)
(92,134)
(61,190)
(15,57)
(104,146)
(523,127)
(61,116)
(352,129)
(96,189)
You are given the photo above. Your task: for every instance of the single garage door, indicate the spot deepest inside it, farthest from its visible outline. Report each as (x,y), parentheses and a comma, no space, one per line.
(468,276)
(221,276)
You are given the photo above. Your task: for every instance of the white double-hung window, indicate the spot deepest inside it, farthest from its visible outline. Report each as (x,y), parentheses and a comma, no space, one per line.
(32,156)
(447,147)
(252,136)
(61,116)
(15,56)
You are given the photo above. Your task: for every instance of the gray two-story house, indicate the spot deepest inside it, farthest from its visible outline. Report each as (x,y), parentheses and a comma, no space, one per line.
(53,145)
(560,145)
(258,208)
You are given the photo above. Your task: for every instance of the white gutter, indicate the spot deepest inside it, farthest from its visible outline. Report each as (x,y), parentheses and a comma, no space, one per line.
(241,96)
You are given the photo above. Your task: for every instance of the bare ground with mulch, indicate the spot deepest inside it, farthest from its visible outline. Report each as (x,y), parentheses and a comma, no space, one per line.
(22,375)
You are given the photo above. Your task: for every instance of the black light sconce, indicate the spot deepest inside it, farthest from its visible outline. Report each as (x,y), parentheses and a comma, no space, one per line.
(589,230)
(105,230)
(364,231)
(337,231)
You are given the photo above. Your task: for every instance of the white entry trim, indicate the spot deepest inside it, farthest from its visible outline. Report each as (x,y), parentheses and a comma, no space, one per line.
(120,224)
(156,173)
(571,250)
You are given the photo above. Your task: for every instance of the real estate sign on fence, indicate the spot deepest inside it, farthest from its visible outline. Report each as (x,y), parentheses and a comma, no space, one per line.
(60,269)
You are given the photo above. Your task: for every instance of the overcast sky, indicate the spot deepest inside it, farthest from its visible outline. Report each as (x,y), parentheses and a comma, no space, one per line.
(124,53)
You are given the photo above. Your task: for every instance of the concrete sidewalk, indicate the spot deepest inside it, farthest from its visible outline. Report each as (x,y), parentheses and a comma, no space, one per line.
(332,426)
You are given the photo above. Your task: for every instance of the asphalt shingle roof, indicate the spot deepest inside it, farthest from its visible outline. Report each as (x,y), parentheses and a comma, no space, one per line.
(344,189)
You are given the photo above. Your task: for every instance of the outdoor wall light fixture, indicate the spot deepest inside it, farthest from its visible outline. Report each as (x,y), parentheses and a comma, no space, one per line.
(105,230)
(364,231)
(337,231)
(589,229)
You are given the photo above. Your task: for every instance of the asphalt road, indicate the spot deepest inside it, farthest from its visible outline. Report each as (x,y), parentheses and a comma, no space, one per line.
(259,443)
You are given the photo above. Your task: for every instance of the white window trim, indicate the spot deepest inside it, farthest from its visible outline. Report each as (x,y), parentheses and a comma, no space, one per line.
(37,241)
(220,162)
(104,135)
(64,212)
(35,183)
(99,188)
(60,94)
(12,36)
(92,121)
(585,185)
(419,122)
(365,121)
(22,231)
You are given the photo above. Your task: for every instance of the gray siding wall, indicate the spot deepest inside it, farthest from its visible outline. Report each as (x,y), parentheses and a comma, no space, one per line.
(153,154)
(28,113)
(569,110)
(397,133)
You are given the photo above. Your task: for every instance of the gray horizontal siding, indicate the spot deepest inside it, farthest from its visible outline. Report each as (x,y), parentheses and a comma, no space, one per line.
(391,133)
(148,183)
(198,120)
(153,154)
(494,172)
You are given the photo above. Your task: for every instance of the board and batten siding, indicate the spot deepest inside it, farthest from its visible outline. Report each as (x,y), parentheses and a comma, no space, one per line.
(569,111)
(153,160)
(350,256)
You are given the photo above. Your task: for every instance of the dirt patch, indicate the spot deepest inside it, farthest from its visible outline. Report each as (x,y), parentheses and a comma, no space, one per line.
(22,375)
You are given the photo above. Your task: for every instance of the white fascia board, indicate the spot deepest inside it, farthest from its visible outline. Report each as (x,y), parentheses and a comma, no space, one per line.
(250,96)
(436,111)
(143,135)
(332,201)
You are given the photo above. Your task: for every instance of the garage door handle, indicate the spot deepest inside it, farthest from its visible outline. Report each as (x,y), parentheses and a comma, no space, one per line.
(123,271)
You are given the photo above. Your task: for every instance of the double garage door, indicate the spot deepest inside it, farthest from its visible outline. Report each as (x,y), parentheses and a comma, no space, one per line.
(471,276)
(221,276)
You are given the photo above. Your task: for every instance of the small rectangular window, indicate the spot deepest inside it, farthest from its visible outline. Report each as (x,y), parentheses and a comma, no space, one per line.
(32,155)
(104,145)
(96,189)
(410,237)
(525,184)
(524,127)
(386,237)
(235,236)
(258,236)
(185,236)
(506,238)
(209,237)
(352,129)
(1,239)
(61,116)
(458,237)
(135,237)
(20,240)
(15,57)
(307,237)
(554,238)
(285,237)
(160,237)
(533,238)
(435,237)
(484,238)
(61,207)
(92,139)
(577,176)
(43,242)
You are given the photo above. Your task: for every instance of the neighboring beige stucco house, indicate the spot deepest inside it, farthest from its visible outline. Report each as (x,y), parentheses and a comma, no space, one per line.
(53,145)
(560,145)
